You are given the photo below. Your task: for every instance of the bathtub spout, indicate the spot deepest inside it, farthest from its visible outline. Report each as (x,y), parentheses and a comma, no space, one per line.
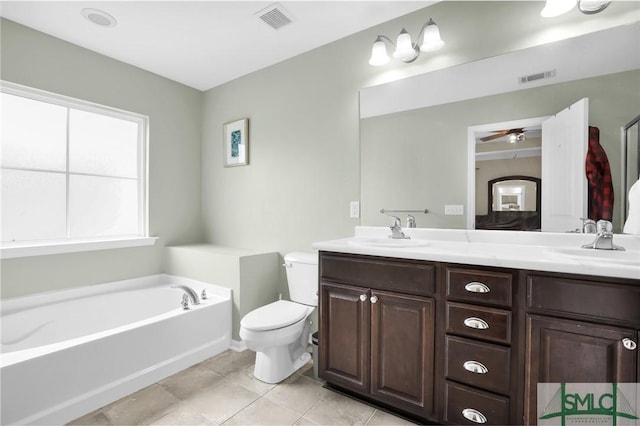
(195,300)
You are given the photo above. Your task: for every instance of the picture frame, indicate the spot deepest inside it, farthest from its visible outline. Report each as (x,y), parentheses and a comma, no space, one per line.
(236,143)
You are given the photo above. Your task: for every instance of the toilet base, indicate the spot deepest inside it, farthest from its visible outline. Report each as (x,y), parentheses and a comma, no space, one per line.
(275,364)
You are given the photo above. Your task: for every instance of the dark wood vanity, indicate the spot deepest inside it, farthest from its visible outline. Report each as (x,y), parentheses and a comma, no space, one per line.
(465,344)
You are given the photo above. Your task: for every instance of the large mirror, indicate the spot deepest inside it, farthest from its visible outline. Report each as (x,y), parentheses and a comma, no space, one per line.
(417,158)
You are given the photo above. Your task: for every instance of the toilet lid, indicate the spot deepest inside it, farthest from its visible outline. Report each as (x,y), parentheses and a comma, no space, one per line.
(274,315)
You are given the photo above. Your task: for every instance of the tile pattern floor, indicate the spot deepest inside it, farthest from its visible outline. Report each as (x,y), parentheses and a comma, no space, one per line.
(222,390)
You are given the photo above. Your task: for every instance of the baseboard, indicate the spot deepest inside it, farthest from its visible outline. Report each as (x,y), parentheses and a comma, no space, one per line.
(237,346)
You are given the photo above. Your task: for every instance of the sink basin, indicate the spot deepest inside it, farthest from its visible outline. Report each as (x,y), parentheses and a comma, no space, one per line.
(387,242)
(605,256)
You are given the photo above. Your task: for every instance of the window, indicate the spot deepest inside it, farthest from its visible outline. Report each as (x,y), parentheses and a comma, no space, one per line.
(71,170)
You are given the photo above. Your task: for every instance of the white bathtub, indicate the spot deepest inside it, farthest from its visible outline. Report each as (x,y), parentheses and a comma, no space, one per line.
(67,353)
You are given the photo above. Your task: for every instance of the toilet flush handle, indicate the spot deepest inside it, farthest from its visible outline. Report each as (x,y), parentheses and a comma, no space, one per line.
(287,265)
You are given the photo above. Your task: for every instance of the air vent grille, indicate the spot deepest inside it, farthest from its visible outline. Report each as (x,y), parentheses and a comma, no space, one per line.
(274,16)
(538,76)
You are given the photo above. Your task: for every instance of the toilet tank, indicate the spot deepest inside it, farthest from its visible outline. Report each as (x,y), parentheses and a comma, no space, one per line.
(302,277)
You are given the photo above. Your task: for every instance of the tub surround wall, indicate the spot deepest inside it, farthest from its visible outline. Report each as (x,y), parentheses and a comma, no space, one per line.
(252,276)
(37,60)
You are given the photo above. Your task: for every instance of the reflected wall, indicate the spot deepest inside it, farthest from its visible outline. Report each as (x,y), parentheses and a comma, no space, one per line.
(417,159)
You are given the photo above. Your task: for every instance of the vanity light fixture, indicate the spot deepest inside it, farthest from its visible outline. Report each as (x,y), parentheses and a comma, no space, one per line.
(405,49)
(558,7)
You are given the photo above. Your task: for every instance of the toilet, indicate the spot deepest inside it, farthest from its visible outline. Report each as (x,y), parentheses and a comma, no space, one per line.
(279,332)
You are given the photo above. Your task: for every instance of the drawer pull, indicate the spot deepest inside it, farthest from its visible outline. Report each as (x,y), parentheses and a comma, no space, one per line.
(475,367)
(363,297)
(474,415)
(477,287)
(477,323)
(629,344)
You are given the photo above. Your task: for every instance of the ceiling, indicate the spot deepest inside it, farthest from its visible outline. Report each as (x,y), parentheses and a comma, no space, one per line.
(203,44)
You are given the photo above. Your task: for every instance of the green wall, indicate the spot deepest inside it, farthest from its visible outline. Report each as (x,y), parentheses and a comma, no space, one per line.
(37,60)
(304,128)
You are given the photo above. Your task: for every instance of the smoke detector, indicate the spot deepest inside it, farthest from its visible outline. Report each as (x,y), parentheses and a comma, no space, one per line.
(275,16)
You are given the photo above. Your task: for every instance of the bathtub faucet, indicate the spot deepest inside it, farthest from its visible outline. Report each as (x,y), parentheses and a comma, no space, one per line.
(190,293)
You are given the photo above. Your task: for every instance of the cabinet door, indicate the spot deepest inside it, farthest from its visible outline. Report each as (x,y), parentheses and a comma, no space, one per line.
(564,351)
(343,338)
(402,351)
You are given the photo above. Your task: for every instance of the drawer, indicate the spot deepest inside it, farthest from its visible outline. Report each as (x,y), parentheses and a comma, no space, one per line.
(478,364)
(479,286)
(479,322)
(405,276)
(594,300)
(467,406)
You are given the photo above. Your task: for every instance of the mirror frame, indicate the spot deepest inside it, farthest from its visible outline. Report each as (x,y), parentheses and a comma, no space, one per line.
(627,161)
(536,180)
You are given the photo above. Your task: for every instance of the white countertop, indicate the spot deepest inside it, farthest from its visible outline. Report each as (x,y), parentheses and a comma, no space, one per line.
(540,251)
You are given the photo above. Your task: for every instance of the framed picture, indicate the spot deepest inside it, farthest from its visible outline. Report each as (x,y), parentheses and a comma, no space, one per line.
(236,143)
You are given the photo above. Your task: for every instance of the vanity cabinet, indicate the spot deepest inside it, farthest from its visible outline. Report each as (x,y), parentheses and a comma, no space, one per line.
(377,330)
(479,331)
(467,344)
(579,330)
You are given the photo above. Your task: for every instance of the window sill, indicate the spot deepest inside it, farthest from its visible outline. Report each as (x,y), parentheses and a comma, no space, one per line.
(16,250)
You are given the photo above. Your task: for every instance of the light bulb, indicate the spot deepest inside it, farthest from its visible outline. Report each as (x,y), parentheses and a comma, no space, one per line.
(431,40)
(378,53)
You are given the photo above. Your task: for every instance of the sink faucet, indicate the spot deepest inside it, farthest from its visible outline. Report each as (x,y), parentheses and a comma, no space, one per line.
(189,293)
(396,229)
(411,221)
(588,226)
(604,237)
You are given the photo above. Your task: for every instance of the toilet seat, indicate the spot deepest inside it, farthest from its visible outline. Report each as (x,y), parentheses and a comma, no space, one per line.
(274,315)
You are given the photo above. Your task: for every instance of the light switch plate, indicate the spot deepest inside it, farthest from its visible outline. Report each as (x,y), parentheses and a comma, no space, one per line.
(454,210)
(354,210)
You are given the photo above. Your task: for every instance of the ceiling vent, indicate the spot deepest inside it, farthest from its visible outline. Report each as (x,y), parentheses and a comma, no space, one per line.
(538,76)
(275,16)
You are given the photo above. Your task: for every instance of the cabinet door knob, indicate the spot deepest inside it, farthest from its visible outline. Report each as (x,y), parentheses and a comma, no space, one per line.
(477,323)
(474,415)
(374,299)
(475,367)
(363,297)
(477,287)
(629,344)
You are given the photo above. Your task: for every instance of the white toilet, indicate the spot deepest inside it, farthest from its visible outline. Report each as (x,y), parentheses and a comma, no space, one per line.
(279,332)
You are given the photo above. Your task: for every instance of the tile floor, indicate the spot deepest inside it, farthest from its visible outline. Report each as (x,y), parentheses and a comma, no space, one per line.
(222,390)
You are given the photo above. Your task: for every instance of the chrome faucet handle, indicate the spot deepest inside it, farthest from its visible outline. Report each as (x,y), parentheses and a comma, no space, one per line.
(203,295)
(411,221)
(588,225)
(185,301)
(396,229)
(604,227)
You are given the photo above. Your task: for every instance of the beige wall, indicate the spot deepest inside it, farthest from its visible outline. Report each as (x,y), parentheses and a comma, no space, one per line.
(37,60)
(306,144)
(430,168)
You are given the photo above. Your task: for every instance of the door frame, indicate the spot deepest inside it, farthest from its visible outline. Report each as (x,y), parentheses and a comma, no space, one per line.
(472,132)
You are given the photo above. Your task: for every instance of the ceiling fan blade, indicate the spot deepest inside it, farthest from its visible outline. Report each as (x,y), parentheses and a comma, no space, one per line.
(492,137)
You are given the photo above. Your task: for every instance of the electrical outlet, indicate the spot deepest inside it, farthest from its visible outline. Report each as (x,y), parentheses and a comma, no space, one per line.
(454,210)
(354,210)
